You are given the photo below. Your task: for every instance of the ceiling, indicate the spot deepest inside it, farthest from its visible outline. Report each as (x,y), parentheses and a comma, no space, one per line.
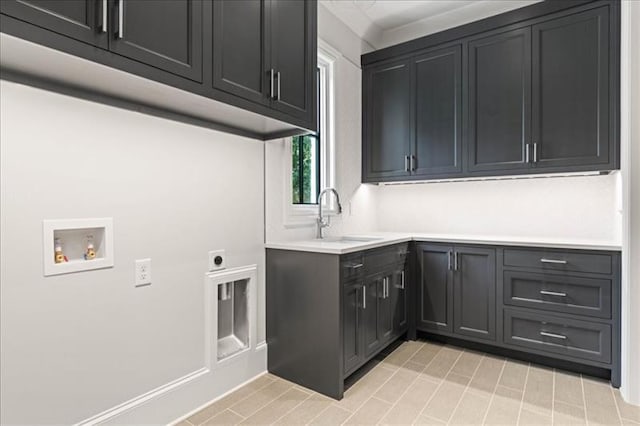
(383,23)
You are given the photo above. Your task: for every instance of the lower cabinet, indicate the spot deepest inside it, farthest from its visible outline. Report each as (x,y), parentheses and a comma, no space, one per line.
(457,290)
(352,306)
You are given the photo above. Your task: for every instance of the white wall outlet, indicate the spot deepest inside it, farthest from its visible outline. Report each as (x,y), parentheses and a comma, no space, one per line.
(143,272)
(217,260)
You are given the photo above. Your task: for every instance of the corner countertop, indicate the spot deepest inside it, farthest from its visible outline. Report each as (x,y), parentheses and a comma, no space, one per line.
(333,245)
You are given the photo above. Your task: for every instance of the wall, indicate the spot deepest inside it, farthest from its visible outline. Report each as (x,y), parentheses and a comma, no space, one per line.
(358,215)
(577,208)
(630,136)
(75,345)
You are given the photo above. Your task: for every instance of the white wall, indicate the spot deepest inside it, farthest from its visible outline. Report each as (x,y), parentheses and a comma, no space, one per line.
(75,345)
(577,208)
(357,200)
(630,137)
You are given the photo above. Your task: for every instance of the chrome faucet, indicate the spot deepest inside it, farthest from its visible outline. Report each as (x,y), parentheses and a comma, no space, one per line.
(320,221)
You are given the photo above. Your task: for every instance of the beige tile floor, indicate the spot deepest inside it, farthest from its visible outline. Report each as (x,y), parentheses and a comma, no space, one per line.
(424,383)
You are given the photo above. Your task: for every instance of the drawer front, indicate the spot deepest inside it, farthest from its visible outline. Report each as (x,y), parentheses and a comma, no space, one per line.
(559,261)
(377,260)
(569,337)
(560,293)
(351,266)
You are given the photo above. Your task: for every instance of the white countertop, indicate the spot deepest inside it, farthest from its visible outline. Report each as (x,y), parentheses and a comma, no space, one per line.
(332,246)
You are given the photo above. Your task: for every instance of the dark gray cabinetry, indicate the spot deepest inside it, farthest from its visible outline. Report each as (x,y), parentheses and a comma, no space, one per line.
(437,123)
(366,294)
(239,57)
(387,101)
(474,292)
(571,106)
(82,20)
(531,91)
(456,290)
(165,34)
(499,101)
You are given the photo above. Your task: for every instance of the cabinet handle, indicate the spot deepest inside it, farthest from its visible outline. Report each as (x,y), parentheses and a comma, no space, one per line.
(356,266)
(384,288)
(120,18)
(526,152)
(103,27)
(455,260)
(271,83)
(535,152)
(364,297)
(554,261)
(402,281)
(449,254)
(279,79)
(406,163)
(413,163)
(553,293)
(554,335)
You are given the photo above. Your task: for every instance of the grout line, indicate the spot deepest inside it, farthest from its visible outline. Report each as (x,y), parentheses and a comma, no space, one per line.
(293,408)
(484,419)
(524,391)
(233,411)
(553,396)
(469,385)
(439,384)
(584,400)
(615,402)
(262,406)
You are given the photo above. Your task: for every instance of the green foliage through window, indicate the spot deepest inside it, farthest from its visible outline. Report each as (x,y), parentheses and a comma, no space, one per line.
(305,176)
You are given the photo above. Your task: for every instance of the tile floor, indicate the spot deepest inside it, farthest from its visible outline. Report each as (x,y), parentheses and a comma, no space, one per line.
(424,383)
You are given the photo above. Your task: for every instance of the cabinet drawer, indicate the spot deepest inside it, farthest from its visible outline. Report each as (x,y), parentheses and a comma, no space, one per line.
(560,293)
(559,261)
(351,266)
(569,337)
(378,259)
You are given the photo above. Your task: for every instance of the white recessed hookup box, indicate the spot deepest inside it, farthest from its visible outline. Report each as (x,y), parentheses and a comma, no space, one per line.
(74,245)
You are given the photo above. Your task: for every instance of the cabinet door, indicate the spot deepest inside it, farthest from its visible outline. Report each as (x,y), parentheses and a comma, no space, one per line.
(398,296)
(293,57)
(499,101)
(475,292)
(83,20)
(371,314)
(438,112)
(166,34)
(435,288)
(386,310)
(387,122)
(238,48)
(351,328)
(571,90)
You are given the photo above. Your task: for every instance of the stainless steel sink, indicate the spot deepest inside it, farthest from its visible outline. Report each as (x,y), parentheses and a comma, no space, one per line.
(350,239)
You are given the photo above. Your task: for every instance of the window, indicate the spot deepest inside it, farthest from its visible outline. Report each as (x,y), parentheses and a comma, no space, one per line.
(312,154)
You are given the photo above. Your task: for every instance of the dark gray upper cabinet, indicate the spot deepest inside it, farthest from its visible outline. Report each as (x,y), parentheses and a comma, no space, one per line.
(82,20)
(435,287)
(539,93)
(293,57)
(166,34)
(499,101)
(386,127)
(571,107)
(437,142)
(474,292)
(239,57)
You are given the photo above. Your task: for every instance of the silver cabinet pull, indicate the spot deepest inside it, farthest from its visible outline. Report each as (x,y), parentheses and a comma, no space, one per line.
(364,297)
(385,283)
(553,293)
(526,152)
(554,261)
(356,266)
(455,260)
(554,335)
(279,79)
(271,84)
(449,259)
(535,152)
(402,280)
(120,18)
(406,163)
(104,16)
(413,163)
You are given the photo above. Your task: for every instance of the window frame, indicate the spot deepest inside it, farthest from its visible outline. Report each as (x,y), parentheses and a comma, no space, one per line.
(304,214)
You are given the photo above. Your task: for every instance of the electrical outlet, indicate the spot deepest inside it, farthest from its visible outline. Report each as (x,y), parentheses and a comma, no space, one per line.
(143,272)
(217,260)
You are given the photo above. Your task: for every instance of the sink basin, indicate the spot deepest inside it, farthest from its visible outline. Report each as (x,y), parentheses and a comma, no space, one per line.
(350,239)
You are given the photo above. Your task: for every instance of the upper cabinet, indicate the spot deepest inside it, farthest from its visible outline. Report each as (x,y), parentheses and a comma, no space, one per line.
(165,34)
(256,55)
(530,91)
